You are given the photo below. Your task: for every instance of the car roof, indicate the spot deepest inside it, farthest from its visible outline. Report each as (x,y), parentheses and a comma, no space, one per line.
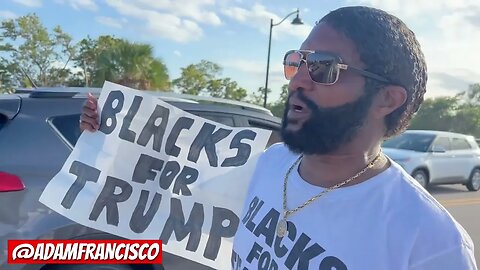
(167,96)
(10,105)
(437,132)
(184,101)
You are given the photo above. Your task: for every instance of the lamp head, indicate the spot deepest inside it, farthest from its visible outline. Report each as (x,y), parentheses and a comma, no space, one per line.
(297,20)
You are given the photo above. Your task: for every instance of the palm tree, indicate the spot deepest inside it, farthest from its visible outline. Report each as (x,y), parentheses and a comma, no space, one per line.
(132,65)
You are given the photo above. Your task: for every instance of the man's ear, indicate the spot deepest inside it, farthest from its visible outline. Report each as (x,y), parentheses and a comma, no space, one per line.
(388,100)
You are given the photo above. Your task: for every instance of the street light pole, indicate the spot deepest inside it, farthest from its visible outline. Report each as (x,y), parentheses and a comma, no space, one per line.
(296,21)
(268,65)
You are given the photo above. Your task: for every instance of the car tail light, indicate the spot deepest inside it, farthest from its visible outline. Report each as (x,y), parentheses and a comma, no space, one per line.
(10,182)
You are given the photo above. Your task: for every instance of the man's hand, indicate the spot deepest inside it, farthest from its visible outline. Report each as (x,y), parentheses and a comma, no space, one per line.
(89,118)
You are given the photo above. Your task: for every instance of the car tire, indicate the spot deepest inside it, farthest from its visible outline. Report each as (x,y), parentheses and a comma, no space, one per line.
(474,180)
(421,176)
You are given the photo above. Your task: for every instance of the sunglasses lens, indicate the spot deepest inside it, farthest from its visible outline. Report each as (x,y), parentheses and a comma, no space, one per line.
(291,63)
(322,67)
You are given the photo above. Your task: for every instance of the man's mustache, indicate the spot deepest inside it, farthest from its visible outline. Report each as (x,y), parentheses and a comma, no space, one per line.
(300,92)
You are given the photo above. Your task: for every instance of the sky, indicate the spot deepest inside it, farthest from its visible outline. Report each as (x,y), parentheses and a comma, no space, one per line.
(234,33)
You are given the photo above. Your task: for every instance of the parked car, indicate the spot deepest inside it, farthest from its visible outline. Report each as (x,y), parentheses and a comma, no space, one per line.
(38,130)
(437,157)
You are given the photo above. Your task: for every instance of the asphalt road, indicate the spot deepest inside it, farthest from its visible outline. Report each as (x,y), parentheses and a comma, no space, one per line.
(464,206)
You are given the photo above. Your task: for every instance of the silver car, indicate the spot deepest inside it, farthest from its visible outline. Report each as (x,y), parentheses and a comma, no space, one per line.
(437,157)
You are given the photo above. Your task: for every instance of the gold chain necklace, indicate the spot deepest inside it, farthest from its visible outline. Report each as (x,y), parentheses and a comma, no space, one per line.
(282,227)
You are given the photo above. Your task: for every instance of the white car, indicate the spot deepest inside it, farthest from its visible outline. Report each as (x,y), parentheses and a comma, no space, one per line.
(437,157)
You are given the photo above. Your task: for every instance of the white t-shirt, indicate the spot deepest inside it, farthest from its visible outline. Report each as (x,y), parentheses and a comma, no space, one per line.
(388,222)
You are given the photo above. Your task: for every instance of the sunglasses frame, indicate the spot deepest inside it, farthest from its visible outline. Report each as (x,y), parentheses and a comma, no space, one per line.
(340,66)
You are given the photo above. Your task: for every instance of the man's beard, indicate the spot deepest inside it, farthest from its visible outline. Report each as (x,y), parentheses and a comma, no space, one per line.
(327,129)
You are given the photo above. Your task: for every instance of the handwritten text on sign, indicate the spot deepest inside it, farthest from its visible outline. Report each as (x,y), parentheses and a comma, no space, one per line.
(153,171)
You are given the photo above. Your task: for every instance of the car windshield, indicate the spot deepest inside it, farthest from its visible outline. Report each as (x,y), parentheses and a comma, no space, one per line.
(410,141)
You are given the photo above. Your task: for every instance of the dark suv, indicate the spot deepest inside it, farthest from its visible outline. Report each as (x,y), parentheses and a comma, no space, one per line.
(39,128)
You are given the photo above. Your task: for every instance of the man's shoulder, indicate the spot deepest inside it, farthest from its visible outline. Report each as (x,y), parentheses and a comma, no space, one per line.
(277,147)
(423,213)
(275,159)
(414,199)
(278,152)
(434,229)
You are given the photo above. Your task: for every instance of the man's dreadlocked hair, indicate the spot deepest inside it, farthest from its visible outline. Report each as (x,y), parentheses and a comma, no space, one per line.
(388,48)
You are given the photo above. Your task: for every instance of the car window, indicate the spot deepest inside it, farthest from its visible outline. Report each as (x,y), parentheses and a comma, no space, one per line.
(222,119)
(444,142)
(460,144)
(410,141)
(67,126)
(3,121)
(472,141)
(276,135)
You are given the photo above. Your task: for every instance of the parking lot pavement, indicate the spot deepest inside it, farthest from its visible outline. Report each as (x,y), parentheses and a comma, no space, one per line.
(465,207)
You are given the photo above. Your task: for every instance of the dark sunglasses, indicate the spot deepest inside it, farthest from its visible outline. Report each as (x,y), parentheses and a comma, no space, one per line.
(323,67)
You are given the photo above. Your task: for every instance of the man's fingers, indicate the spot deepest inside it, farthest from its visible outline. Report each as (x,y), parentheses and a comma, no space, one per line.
(89,120)
(90,104)
(90,112)
(92,99)
(86,126)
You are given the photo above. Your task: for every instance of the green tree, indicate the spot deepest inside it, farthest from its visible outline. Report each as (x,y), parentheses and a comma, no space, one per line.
(204,78)
(460,113)
(226,88)
(129,64)
(467,120)
(278,107)
(436,114)
(121,61)
(7,76)
(472,95)
(467,117)
(88,51)
(158,76)
(100,60)
(258,96)
(77,80)
(25,44)
(195,78)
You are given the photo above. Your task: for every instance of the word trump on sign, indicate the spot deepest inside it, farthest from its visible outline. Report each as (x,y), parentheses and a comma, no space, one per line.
(153,171)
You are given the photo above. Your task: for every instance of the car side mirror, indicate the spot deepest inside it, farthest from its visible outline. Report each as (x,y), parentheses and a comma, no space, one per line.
(438,149)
